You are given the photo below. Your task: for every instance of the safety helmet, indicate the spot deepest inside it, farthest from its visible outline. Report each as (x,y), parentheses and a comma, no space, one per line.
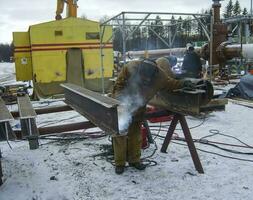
(189,46)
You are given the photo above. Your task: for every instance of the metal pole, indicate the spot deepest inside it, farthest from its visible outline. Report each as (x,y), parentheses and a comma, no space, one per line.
(124,39)
(6,131)
(136,28)
(211,46)
(160,37)
(30,127)
(251,7)
(241,41)
(102,59)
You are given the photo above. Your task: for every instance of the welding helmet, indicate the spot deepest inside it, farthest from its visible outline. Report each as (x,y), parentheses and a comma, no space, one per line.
(147,71)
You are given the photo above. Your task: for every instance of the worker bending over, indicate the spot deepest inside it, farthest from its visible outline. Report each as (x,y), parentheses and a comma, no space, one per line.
(140,79)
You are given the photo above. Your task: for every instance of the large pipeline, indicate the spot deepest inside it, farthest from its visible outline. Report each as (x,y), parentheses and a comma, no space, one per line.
(224,51)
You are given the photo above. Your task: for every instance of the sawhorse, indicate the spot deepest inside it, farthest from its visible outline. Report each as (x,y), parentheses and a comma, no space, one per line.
(188,138)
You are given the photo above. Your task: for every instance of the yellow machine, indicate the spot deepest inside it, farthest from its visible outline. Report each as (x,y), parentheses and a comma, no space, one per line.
(71,8)
(66,50)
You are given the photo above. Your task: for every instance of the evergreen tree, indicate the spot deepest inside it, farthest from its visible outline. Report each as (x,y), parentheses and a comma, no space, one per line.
(187,25)
(117,39)
(172,22)
(6,52)
(179,21)
(229,9)
(237,8)
(245,12)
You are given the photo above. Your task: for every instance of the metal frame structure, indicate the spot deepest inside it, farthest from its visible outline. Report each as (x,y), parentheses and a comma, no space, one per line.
(240,20)
(143,19)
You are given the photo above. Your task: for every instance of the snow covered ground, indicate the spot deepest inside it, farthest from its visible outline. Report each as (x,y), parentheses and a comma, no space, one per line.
(76,170)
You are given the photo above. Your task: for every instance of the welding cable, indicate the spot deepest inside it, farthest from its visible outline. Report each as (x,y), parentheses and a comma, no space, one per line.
(146,160)
(213,133)
(221,155)
(167,125)
(213,144)
(152,154)
(149,162)
(206,142)
(159,130)
(217,132)
(9,144)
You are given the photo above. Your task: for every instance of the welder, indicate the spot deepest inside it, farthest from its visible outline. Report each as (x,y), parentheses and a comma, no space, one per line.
(142,78)
(192,66)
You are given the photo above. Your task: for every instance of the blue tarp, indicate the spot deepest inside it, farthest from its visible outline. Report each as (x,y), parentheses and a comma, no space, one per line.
(244,89)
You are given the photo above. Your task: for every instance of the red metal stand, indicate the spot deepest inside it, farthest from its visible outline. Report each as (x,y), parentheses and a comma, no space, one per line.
(188,138)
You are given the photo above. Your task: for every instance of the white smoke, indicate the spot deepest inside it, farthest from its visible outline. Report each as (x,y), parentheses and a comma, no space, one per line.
(129,104)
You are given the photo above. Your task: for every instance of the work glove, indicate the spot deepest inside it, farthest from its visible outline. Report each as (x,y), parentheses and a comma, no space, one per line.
(188,84)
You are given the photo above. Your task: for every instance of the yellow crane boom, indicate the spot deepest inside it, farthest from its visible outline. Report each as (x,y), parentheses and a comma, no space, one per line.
(71,8)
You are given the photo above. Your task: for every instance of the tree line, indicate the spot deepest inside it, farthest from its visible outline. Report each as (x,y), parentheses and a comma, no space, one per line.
(6,52)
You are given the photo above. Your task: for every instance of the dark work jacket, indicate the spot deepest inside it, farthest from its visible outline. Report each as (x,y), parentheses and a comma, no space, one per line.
(192,66)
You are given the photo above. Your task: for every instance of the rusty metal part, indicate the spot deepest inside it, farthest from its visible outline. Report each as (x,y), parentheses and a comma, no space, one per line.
(185,101)
(225,51)
(60,128)
(47,110)
(219,32)
(100,110)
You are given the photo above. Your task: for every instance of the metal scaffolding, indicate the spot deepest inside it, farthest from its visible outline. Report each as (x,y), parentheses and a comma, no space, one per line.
(144,19)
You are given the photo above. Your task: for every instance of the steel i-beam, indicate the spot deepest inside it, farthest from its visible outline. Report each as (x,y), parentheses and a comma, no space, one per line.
(100,110)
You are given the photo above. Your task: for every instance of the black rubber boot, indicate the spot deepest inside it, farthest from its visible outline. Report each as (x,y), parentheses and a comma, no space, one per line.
(138,165)
(119,169)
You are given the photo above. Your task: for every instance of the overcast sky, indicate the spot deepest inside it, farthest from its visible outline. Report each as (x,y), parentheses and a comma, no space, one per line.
(17,15)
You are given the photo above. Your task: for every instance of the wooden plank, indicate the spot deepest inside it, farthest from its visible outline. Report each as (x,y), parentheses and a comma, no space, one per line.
(242,102)
(26,110)
(5,115)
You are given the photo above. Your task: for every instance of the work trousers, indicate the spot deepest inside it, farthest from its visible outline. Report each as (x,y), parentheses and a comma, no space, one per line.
(128,147)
